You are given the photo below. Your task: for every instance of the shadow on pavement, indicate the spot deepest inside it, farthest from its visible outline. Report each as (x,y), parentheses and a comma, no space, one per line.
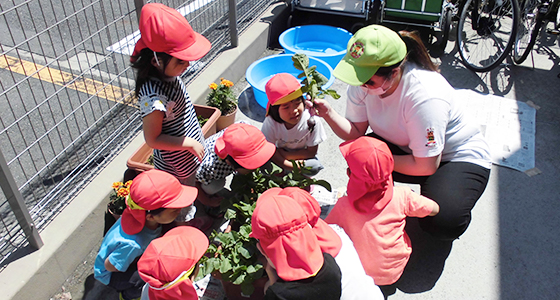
(249,106)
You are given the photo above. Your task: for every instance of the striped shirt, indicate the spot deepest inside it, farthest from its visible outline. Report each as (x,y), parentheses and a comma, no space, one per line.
(180,119)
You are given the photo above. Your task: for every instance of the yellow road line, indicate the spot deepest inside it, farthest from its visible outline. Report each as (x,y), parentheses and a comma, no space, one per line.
(84,85)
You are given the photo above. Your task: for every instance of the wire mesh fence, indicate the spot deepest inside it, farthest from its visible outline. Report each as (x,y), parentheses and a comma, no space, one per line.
(66,98)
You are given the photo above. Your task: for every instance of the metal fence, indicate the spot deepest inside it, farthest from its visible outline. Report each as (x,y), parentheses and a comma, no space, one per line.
(66,100)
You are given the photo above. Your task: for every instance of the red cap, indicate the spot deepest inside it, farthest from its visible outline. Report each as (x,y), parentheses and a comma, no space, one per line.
(286,238)
(371,164)
(169,257)
(163,29)
(282,88)
(328,239)
(151,190)
(246,144)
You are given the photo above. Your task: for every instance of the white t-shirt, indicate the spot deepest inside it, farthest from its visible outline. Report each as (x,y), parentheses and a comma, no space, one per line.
(298,137)
(422,117)
(356,284)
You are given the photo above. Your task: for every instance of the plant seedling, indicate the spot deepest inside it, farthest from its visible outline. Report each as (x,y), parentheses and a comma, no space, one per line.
(313,82)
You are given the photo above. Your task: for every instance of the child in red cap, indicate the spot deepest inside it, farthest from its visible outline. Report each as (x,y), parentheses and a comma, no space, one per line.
(373,214)
(288,126)
(166,46)
(244,148)
(296,266)
(356,284)
(155,198)
(169,263)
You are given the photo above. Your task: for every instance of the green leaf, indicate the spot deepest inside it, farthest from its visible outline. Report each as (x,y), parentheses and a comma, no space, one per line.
(252,269)
(244,252)
(323,183)
(247,288)
(240,278)
(214,263)
(320,79)
(245,230)
(225,265)
(230,214)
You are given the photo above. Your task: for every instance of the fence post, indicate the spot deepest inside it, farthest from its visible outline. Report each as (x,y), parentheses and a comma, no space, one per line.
(233,22)
(15,199)
(139,4)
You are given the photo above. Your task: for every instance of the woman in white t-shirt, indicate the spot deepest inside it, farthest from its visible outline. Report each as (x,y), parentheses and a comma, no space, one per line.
(396,90)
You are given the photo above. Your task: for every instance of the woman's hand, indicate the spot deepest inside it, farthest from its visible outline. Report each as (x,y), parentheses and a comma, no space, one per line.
(319,107)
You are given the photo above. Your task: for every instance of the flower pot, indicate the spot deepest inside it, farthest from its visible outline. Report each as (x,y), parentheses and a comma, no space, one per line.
(225,121)
(115,215)
(137,162)
(109,220)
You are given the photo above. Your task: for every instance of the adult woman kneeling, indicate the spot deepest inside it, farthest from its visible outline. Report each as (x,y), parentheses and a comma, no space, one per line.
(397,91)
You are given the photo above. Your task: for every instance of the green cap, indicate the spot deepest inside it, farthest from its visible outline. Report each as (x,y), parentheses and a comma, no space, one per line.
(369,49)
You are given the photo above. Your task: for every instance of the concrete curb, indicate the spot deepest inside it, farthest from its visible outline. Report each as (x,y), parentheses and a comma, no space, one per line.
(78,228)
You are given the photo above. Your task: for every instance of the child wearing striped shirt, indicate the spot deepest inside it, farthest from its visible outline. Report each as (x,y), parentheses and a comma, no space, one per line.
(161,55)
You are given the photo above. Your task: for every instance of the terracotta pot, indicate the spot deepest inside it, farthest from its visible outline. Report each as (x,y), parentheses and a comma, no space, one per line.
(137,162)
(225,121)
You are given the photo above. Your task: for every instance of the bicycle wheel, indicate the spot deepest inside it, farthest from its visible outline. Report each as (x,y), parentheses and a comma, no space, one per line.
(445,26)
(486,32)
(529,26)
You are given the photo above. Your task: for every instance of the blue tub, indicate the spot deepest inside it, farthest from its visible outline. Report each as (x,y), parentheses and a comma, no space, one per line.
(263,69)
(320,41)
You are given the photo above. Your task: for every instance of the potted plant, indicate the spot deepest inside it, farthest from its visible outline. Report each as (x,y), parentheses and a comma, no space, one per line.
(221,97)
(233,255)
(117,198)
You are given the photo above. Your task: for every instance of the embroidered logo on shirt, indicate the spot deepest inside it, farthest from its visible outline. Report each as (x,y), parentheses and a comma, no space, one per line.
(357,50)
(430,136)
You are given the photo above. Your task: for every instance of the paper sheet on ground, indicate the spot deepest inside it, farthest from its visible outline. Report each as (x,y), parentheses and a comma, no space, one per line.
(509,128)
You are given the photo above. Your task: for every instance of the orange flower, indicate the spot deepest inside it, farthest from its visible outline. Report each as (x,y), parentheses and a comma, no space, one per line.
(128,184)
(117,185)
(122,192)
(213,86)
(226,83)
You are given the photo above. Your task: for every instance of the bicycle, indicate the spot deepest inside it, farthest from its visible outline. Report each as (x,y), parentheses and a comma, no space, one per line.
(534,14)
(486,32)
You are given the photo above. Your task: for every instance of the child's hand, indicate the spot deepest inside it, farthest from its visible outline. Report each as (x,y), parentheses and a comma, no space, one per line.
(197,150)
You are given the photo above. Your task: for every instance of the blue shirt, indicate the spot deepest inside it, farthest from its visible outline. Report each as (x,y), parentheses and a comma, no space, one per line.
(122,249)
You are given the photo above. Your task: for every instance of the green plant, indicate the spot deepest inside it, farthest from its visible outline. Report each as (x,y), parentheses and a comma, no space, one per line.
(221,97)
(117,198)
(313,81)
(201,120)
(234,254)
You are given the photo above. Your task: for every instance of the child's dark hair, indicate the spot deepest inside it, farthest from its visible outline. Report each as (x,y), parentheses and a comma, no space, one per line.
(156,211)
(274,111)
(233,163)
(417,53)
(144,67)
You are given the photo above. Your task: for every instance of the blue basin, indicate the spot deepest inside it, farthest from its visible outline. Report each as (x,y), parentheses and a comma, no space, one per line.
(320,41)
(263,69)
